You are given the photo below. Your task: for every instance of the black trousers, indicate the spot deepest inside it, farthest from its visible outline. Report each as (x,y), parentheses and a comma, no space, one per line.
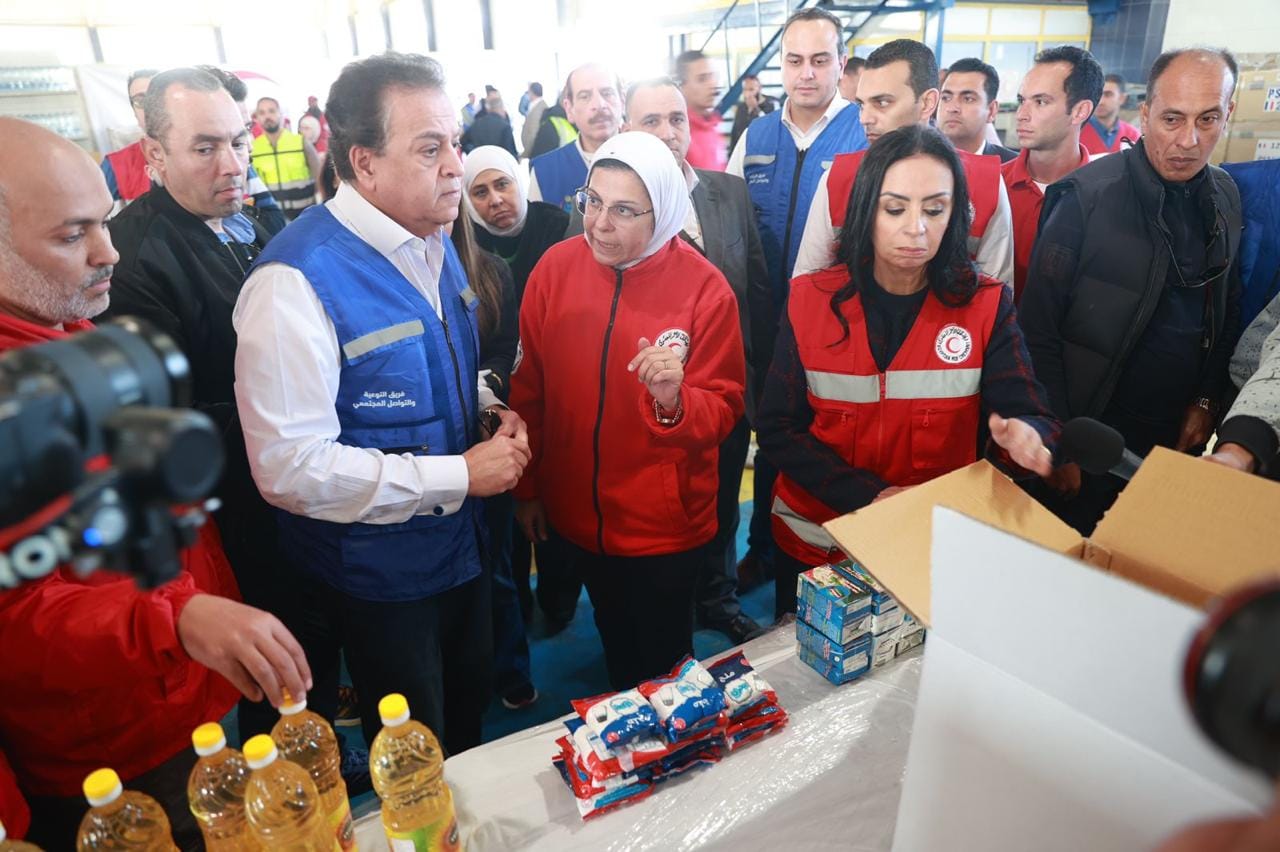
(56,820)
(643,608)
(437,652)
(716,595)
(786,569)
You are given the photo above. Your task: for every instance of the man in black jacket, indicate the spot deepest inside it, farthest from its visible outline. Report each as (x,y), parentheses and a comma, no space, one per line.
(721,226)
(185,250)
(1131,309)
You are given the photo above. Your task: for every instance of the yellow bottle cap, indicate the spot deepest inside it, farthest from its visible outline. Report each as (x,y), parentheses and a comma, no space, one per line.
(394,709)
(208,739)
(102,787)
(260,751)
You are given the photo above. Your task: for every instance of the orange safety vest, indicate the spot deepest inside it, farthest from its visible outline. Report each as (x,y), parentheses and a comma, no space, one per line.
(981,171)
(913,422)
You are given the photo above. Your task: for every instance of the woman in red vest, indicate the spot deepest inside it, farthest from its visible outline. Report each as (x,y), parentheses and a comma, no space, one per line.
(886,362)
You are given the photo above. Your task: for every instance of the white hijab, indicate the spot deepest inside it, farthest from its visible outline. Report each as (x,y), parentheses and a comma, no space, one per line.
(492,157)
(668,191)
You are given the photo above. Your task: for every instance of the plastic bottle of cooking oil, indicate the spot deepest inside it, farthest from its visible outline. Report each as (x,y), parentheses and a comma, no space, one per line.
(306,739)
(407,766)
(120,819)
(215,790)
(281,802)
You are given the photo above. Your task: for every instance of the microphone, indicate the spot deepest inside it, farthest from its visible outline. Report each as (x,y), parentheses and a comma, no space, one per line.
(1097,448)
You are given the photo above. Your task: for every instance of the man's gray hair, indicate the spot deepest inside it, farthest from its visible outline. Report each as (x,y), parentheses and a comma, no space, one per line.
(157,113)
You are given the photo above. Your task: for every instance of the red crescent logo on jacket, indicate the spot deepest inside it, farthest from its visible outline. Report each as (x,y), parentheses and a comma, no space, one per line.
(677,340)
(953,344)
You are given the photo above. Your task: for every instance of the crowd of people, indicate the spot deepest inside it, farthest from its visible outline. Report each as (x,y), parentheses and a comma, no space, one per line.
(434,358)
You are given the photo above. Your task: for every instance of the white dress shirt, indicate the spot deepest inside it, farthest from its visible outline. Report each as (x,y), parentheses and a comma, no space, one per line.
(802,138)
(288,365)
(692,227)
(817,248)
(535,191)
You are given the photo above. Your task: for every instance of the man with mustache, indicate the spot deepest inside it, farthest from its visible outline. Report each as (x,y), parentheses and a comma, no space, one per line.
(593,102)
(185,250)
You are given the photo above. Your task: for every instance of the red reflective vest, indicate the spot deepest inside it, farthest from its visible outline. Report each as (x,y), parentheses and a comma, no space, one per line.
(982,173)
(907,425)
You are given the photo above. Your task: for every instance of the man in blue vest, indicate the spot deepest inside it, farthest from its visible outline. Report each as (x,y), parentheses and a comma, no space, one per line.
(361,406)
(782,156)
(593,102)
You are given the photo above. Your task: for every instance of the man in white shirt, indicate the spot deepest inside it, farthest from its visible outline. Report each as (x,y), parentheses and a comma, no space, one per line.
(359,396)
(899,87)
(781,156)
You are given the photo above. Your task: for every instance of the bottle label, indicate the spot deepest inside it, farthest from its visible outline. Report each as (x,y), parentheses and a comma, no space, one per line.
(344,832)
(441,836)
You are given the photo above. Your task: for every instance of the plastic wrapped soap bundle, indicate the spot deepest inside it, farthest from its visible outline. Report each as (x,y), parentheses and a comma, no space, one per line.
(621,746)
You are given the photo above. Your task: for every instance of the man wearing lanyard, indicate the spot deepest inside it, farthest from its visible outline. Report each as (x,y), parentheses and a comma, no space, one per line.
(359,394)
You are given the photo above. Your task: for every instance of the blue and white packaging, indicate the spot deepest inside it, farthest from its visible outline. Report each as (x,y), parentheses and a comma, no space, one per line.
(853,627)
(883,622)
(851,668)
(686,701)
(881,601)
(834,602)
(849,660)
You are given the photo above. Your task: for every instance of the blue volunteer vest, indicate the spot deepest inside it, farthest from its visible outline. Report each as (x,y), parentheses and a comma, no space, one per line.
(782,181)
(408,385)
(560,174)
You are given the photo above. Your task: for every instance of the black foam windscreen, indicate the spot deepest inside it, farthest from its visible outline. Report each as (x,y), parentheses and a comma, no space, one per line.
(1094,446)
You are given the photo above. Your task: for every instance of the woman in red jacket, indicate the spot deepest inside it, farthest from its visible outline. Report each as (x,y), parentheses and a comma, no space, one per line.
(632,375)
(886,363)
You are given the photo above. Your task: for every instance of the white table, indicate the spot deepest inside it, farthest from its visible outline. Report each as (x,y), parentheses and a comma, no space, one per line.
(830,779)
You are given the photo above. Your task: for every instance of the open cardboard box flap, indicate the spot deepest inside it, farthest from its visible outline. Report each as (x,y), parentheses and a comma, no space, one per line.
(1184,527)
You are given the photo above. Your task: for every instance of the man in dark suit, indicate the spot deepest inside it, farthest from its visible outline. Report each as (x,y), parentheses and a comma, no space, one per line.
(721,226)
(969,103)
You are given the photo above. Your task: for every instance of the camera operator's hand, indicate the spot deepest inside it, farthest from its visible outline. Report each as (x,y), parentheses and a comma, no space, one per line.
(495,465)
(247,646)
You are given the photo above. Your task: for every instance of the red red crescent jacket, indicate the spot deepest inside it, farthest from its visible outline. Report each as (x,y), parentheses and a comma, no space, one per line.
(93,672)
(982,173)
(613,480)
(907,425)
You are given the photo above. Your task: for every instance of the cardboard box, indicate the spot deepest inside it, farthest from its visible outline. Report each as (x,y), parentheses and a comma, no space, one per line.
(852,668)
(834,601)
(909,641)
(883,622)
(1076,746)
(842,634)
(1184,527)
(884,649)
(1250,141)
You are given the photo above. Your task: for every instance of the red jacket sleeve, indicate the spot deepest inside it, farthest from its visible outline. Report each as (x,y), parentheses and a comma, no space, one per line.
(527,379)
(714,378)
(59,633)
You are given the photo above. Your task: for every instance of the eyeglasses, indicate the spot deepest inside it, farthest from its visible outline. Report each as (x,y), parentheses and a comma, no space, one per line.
(138,100)
(590,204)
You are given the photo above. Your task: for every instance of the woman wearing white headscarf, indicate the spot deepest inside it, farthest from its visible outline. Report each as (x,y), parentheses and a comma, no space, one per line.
(496,193)
(632,376)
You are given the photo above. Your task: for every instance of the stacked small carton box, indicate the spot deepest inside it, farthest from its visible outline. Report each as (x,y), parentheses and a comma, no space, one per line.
(847,624)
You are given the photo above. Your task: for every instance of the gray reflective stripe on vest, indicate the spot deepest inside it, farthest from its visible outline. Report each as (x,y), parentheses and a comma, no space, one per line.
(758,159)
(842,387)
(806,530)
(368,342)
(975,243)
(932,384)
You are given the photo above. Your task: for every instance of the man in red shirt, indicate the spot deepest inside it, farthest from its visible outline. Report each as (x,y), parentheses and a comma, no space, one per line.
(106,674)
(1054,101)
(1104,133)
(700,86)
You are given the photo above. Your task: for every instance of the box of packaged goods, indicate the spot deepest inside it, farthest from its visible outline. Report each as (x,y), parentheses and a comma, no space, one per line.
(850,667)
(840,607)
(850,658)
